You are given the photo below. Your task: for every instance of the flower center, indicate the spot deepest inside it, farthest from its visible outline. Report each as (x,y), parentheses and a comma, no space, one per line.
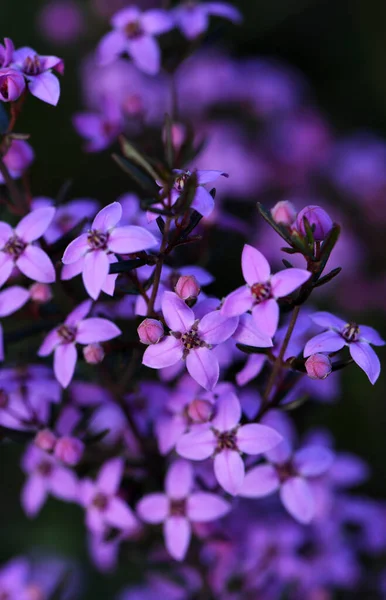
(350,332)
(97,240)
(15,247)
(178,508)
(285,471)
(133,30)
(226,440)
(180,181)
(100,501)
(32,65)
(45,468)
(261,291)
(67,333)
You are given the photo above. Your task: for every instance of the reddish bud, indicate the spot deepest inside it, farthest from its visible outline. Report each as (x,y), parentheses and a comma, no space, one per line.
(200,411)
(40,292)
(12,85)
(178,134)
(69,450)
(45,440)
(318,219)
(187,287)
(150,331)
(93,354)
(284,212)
(318,366)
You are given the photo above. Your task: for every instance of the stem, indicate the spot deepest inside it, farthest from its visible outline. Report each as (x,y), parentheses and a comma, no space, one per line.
(158,268)
(20,203)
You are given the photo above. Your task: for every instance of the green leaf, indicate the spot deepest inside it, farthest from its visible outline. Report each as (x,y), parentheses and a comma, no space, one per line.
(283,231)
(147,184)
(4,119)
(135,156)
(294,404)
(328,277)
(286,263)
(125,266)
(251,349)
(328,245)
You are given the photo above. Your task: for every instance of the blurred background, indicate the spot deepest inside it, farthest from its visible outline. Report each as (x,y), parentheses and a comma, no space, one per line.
(337,51)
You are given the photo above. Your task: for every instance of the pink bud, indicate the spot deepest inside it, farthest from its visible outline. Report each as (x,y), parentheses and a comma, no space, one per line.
(93,354)
(178,134)
(318,366)
(150,331)
(187,287)
(69,450)
(318,217)
(35,592)
(40,292)
(45,440)
(12,85)
(284,212)
(200,411)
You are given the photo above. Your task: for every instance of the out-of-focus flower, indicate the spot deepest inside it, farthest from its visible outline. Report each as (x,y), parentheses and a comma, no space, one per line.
(6,53)
(37,70)
(18,158)
(61,21)
(69,450)
(192,17)
(319,220)
(40,293)
(100,129)
(318,366)
(284,212)
(12,85)
(150,331)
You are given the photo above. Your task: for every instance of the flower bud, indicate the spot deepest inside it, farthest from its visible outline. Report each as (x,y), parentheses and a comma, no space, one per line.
(93,354)
(200,411)
(45,440)
(316,217)
(178,134)
(40,292)
(187,287)
(69,450)
(12,85)
(150,331)
(318,366)
(34,592)
(284,212)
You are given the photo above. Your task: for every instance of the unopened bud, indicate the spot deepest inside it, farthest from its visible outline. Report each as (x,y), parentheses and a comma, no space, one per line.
(40,292)
(178,135)
(283,212)
(45,440)
(187,287)
(34,592)
(69,450)
(319,220)
(150,331)
(318,366)
(200,411)
(93,354)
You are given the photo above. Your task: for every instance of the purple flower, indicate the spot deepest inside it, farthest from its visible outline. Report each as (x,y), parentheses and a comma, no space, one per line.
(340,333)
(103,505)
(100,129)
(289,474)
(11,300)
(18,158)
(6,53)
(190,340)
(12,85)
(37,70)
(134,33)
(225,440)
(179,506)
(14,580)
(75,330)
(45,476)
(193,17)
(89,253)
(17,249)
(262,290)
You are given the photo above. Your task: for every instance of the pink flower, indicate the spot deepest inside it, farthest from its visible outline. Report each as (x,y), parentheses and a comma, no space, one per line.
(75,330)
(17,249)
(92,252)
(190,340)
(225,440)
(104,507)
(37,70)
(179,507)
(192,17)
(262,290)
(18,158)
(12,85)
(134,34)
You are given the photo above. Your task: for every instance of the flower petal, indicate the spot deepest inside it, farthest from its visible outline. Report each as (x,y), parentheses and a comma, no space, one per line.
(110,47)
(288,280)
(110,475)
(96,330)
(177,534)
(34,494)
(196,445)
(153,508)
(119,514)
(6,232)
(164,354)
(46,87)
(296,496)
(225,10)
(228,412)
(313,461)
(33,225)
(247,333)
(64,363)
(108,217)
(36,265)
(327,320)
(76,249)
(238,302)
(366,359)
(208,176)
(178,316)
(202,507)
(329,341)
(251,369)
(255,438)
(203,366)
(254,265)
(6,267)
(179,480)
(214,328)
(259,482)
(64,484)
(50,342)
(157,21)
(229,471)
(95,271)
(203,202)
(266,316)
(12,299)
(80,312)
(124,240)
(145,53)
(370,335)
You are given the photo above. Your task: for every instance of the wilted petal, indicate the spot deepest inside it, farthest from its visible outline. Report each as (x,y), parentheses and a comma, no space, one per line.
(179,480)
(259,482)
(285,282)
(215,328)
(36,265)
(64,363)
(119,514)
(76,249)
(313,461)
(12,299)
(255,438)
(203,366)
(196,445)
(33,496)
(247,333)
(329,341)
(297,498)
(46,87)
(178,316)
(203,202)
(33,225)
(95,270)
(50,342)
(64,484)
(254,265)
(124,240)
(177,536)
(96,330)
(145,53)
(164,354)
(238,302)
(370,335)
(108,217)
(327,320)
(228,412)
(153,508)
(202,507)
(229,471)
(79,313)
(366,359)
(266,316)
(110,475)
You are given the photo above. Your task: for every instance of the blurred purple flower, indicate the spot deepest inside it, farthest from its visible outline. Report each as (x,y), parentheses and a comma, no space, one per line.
(61,21)
(18,158)
(192,17)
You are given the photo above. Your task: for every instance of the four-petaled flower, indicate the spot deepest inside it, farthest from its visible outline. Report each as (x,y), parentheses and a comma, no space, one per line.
(92,252)
(190,340)
(225,440)
(179,507)
(262,290)
(339,334)
(37,70)
(192,17)
(75,330)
